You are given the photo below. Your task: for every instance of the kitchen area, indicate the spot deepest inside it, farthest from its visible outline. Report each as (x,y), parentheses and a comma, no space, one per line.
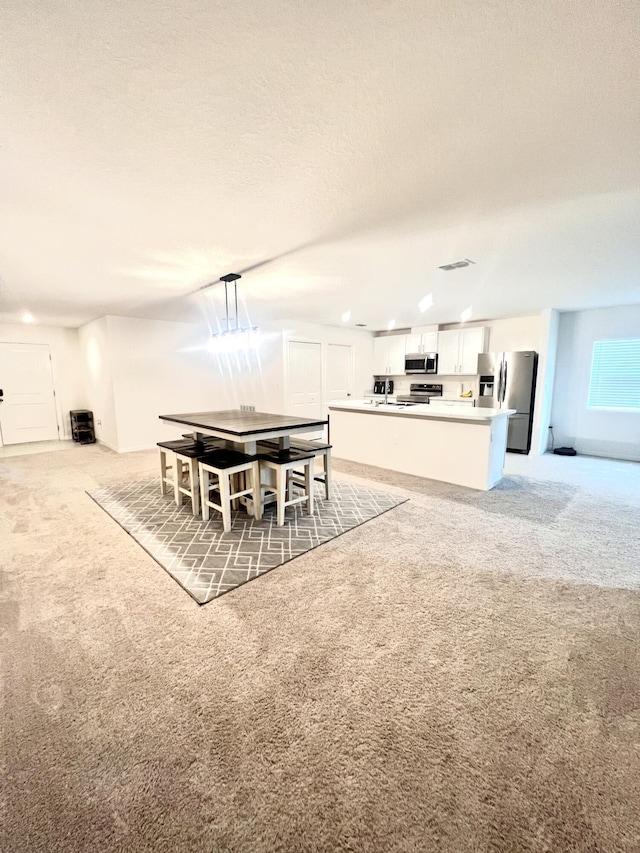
(441,406)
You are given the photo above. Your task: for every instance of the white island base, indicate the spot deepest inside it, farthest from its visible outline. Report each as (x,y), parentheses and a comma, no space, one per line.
(467,449)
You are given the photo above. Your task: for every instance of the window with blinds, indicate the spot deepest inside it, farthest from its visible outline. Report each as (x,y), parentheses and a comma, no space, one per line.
(615,376)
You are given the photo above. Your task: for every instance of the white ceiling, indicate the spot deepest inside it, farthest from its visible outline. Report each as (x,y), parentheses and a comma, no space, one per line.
(148,147)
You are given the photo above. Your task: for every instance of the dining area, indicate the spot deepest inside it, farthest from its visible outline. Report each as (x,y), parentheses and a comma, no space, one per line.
(239,461)
(241,493)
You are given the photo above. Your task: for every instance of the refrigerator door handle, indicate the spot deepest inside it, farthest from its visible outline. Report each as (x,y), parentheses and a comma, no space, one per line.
(504,382)
(499,392)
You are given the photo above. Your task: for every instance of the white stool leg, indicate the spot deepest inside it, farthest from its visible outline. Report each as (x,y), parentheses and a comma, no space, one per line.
(327,474)
(257,490)
(204,493)
(225,500)
(235,486)
(163,472)
(308,484)
(281,494)
(194,486)
(177,479)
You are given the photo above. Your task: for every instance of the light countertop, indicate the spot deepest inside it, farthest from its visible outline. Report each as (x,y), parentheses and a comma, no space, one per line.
(473,414)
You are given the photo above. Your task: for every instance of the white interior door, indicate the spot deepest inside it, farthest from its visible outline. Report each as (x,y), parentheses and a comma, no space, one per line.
(339,375)
(28,410)
(304,379)
(339,372)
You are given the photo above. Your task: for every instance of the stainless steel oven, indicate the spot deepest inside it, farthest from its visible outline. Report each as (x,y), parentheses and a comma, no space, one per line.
(421,392)
(421,362)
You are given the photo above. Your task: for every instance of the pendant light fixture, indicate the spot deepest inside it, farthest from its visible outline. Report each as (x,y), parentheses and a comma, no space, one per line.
(233,336)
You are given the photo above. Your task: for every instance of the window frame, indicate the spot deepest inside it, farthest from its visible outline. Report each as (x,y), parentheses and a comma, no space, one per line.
(604,361)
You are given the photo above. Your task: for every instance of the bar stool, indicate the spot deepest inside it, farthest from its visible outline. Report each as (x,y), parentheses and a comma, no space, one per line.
(168,463)
(224,464)
(179,468)
(319,449)
(283,462)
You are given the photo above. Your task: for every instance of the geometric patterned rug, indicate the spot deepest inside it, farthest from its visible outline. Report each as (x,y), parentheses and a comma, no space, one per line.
(207,562)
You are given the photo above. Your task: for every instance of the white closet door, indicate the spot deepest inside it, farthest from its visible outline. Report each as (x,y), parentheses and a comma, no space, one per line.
(28,410)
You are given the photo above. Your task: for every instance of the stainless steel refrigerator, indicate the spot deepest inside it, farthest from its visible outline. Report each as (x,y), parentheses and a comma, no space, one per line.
(508,381)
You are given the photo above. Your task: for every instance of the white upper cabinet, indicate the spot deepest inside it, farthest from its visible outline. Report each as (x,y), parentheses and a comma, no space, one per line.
(380,356)
(422,342)
(412,343)
(397,350)
(472,342)
(448,345)
(429,342)
(458,350)
(388,355)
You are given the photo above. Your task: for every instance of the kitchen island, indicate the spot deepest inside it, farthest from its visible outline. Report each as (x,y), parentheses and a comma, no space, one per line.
(463,447)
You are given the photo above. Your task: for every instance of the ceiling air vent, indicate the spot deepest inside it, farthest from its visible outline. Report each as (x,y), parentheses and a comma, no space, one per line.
(456,265)
(362,325)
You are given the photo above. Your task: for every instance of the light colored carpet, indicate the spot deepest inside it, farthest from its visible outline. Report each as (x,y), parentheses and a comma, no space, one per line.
(461,674)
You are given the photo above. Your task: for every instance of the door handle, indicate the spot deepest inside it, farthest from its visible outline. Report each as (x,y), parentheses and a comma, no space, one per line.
(504,382)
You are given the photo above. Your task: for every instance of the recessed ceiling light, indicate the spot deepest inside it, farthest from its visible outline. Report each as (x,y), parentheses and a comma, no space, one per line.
(27,318)
(466,314)
(456,265)
(425,303)
(390,325)
(346,316)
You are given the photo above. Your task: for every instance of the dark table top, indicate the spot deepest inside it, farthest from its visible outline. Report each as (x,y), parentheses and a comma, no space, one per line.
(238,423)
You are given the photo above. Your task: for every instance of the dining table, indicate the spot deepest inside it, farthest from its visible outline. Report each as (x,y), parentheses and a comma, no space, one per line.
(245,428)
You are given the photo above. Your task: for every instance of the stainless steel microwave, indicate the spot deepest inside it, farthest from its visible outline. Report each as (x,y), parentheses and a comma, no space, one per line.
(421,362)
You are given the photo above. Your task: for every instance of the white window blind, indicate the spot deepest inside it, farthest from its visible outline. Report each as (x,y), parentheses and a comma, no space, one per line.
(615,375)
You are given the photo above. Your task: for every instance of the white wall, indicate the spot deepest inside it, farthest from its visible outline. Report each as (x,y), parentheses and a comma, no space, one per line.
(548,349)
(135,370)
(161,367)
(65,365)
(98,380)
(515,333)
(596,433)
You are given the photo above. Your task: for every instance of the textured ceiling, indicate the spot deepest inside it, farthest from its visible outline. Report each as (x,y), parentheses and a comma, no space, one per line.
(148,147)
